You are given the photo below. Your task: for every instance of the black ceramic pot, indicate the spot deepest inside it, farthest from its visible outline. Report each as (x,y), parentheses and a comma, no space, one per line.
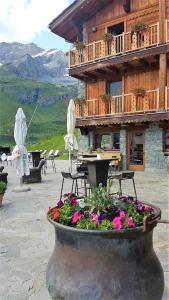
(104,265)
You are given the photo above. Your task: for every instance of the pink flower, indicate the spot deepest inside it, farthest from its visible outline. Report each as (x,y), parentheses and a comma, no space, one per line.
(49,209)
(130,222)
(122,214)
(95,218)
(77,216)
(117,223)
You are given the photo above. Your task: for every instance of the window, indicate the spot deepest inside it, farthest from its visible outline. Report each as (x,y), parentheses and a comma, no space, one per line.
(166,140)
(107,141)
(115,88)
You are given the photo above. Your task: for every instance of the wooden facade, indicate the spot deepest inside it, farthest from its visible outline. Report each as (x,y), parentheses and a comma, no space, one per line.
(121,55)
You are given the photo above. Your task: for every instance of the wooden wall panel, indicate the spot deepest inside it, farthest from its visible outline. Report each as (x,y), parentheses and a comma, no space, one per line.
(148,80)
(94,90)
(142,4)
(114,13)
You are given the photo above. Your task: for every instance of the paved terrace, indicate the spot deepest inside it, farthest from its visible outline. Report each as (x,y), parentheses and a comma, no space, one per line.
(27,238)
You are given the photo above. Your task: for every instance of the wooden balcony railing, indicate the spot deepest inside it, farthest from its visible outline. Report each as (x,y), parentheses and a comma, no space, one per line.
(167,98)
(167,31)
(122,104)
(122,43)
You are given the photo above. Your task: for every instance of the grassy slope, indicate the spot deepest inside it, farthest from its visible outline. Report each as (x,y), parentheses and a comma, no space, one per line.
(48,120)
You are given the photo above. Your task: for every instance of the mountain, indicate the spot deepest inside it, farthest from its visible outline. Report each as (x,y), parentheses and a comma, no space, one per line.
(49,101)
(33,62)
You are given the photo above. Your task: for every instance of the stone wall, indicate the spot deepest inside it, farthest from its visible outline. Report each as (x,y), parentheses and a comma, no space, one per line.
(155,161)
(123,148)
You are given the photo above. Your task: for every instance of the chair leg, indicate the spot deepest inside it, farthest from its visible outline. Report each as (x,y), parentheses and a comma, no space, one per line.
(134,188)
(120,188)
(54,167)
(72,186)
(76,189)
(85,187)
(61,189)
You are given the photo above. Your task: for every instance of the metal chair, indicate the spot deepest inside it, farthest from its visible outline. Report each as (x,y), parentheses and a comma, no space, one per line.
(121,176)
(75,188)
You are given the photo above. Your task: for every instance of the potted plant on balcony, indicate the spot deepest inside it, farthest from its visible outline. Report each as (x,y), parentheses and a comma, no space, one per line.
(139,92)
(79,45)
(80,100)
(107,37)
(3,186)
(139,26)
(105,97)
(104,249)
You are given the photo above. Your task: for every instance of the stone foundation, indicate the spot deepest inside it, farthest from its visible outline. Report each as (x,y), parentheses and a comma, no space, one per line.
(155,160)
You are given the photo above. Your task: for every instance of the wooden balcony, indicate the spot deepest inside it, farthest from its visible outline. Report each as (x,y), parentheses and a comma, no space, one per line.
(167,98)
(120,44)
(167,31)
(121,104)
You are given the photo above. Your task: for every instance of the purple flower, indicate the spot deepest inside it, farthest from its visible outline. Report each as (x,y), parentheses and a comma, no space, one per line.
(73,201)
(59,204)
(102,216)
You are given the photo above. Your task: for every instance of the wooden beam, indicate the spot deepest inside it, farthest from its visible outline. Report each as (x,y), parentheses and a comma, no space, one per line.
(162,80)
(162,19)
(144,62)
(113,69)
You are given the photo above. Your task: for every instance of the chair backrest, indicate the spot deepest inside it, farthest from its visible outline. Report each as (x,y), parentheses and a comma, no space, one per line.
(127,175)
(50,152)
(43,152)
(66,175)
(1,169)
(56,152)
(41,164)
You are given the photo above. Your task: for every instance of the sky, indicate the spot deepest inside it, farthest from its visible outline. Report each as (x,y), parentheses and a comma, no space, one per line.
(26,21)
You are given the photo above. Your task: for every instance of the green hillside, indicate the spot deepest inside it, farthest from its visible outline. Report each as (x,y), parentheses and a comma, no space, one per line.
(49,119)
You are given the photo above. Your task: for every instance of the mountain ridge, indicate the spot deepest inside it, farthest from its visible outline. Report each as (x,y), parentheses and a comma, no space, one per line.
(31,61)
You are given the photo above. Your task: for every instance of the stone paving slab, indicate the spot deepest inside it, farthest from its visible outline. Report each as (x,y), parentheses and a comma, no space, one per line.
(27,238)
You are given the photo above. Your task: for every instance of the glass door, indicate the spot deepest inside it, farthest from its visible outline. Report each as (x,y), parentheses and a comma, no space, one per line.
(136,150)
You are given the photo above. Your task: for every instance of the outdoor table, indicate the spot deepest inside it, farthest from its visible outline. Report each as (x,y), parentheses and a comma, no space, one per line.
(35,157)
(97,171)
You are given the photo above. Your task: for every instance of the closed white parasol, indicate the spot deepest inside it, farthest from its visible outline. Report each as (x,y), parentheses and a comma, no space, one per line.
(70,139)
(20,153)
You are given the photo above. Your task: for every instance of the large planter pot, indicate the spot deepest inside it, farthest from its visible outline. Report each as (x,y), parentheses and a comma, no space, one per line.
(104,265)
(1,199)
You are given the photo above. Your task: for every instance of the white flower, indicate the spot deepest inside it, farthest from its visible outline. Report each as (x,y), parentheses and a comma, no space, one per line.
(81,203)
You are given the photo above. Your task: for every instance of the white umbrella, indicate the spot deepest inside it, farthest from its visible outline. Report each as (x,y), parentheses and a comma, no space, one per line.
(20,153)
(70,139)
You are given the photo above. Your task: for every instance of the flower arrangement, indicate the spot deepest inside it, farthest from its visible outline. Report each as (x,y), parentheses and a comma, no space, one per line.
(100,211)
(79,45)
(79,100)
(3,186)
(139,92)
(139,26)
(108,37)
(105,97)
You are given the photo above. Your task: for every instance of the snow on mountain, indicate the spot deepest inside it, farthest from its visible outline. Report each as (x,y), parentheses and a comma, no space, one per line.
(31,61)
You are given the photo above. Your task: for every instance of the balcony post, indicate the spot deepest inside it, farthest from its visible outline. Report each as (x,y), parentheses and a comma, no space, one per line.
(162,80)
(162,21)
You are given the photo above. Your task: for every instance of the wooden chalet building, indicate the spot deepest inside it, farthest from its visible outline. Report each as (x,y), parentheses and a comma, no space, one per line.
(120,54)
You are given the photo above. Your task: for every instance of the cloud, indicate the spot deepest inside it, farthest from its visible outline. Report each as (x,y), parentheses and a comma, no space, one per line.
(22,20)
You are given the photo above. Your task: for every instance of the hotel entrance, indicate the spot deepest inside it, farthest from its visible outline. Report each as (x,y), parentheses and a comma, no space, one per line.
(136,145)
